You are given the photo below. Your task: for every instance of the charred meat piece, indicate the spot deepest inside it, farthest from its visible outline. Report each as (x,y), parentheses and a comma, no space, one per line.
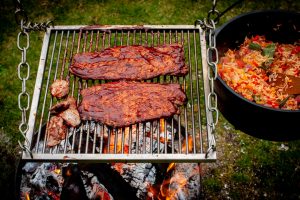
(67,110)
(60,107)
(59,88)
(56,131)
(130,63)
(71,117)
(120,104)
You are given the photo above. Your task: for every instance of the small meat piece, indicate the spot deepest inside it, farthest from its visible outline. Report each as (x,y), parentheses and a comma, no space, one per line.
(56,131)
(59,88)
(67,110)
(120,104)
(130,63)
(71,117)
(60,107)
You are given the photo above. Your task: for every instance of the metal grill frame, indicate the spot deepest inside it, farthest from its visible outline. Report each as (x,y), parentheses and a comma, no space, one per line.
(205,155)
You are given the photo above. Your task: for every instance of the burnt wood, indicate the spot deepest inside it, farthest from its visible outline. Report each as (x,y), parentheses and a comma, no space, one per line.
(112,181)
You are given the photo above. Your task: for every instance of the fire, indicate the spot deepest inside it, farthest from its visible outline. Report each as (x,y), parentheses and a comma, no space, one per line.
(118,140)
(169,189)
(57,171)
(118,167)
(68,172)
(53,195)
(27,197)
(162,126)
(172,187)
(162,136)
(190,144)
(171,167)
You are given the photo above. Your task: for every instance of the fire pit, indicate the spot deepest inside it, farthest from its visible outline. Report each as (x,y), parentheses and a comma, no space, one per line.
(109,181)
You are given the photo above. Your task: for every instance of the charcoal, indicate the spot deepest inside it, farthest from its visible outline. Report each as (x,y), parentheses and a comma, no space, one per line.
(73,187)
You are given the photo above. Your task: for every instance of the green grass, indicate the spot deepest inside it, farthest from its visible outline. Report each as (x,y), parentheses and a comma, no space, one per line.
(250,168)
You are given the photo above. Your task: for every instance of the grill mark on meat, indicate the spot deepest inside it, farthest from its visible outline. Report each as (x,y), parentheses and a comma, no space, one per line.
(130,63)
(120,104)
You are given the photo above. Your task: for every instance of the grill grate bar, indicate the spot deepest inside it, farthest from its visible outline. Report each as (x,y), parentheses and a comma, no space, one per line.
(183,137)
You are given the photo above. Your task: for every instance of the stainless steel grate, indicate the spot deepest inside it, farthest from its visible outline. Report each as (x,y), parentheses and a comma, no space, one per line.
(184,138)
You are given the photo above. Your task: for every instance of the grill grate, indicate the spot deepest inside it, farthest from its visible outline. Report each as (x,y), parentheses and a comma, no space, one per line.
(183,138)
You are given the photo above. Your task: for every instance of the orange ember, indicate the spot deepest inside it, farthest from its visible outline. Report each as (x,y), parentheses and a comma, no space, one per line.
(162,131)
(162,126)
(189,141)
(57,171)
(118,167)
(68,173)
(164,187)
(171,167)
(169,188)
(27,197)
(53,196)
(117,140)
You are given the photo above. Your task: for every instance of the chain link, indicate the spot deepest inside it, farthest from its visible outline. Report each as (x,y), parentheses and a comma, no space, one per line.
(24,68)
(214,12)
(212,61)
(209,26)
(23,75)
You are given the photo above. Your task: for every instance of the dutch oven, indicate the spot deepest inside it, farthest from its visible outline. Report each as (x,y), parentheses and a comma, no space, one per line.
(254,119)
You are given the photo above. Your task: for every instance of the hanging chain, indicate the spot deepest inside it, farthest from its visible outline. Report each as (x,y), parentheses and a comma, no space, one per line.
(214,13)
(209,26)
(23,44)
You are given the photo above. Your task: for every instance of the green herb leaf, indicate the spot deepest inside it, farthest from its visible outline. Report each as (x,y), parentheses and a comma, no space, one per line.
(269,50)
(283,102)
(254,46)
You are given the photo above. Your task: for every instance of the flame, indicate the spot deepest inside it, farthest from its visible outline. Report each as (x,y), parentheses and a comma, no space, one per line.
(118,167)
(170,188)
(53,195)
(171,167)
(190,144)
(162,136)
(164,187)
(68,172)
(175,185)
(27,197)
(162,125)
(57,171)
(112,142)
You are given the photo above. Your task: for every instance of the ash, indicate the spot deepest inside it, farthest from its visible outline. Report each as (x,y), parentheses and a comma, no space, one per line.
(41,181)
(138,175)
(44,181)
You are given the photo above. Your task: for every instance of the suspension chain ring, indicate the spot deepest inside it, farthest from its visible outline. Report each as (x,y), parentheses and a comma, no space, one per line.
(24,67)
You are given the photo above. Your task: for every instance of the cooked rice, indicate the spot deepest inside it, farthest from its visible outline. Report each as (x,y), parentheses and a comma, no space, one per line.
(244,70)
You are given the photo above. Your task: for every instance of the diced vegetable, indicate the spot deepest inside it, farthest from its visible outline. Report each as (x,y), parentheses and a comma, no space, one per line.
(254,46)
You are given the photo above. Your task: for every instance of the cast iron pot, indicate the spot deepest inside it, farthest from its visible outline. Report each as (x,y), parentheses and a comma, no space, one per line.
(254,119)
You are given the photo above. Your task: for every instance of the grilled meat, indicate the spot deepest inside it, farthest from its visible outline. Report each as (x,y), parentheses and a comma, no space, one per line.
(130,63)
(60,107)
(120,104)
(59,88)
(67,110)
(56,131)
(71,117)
